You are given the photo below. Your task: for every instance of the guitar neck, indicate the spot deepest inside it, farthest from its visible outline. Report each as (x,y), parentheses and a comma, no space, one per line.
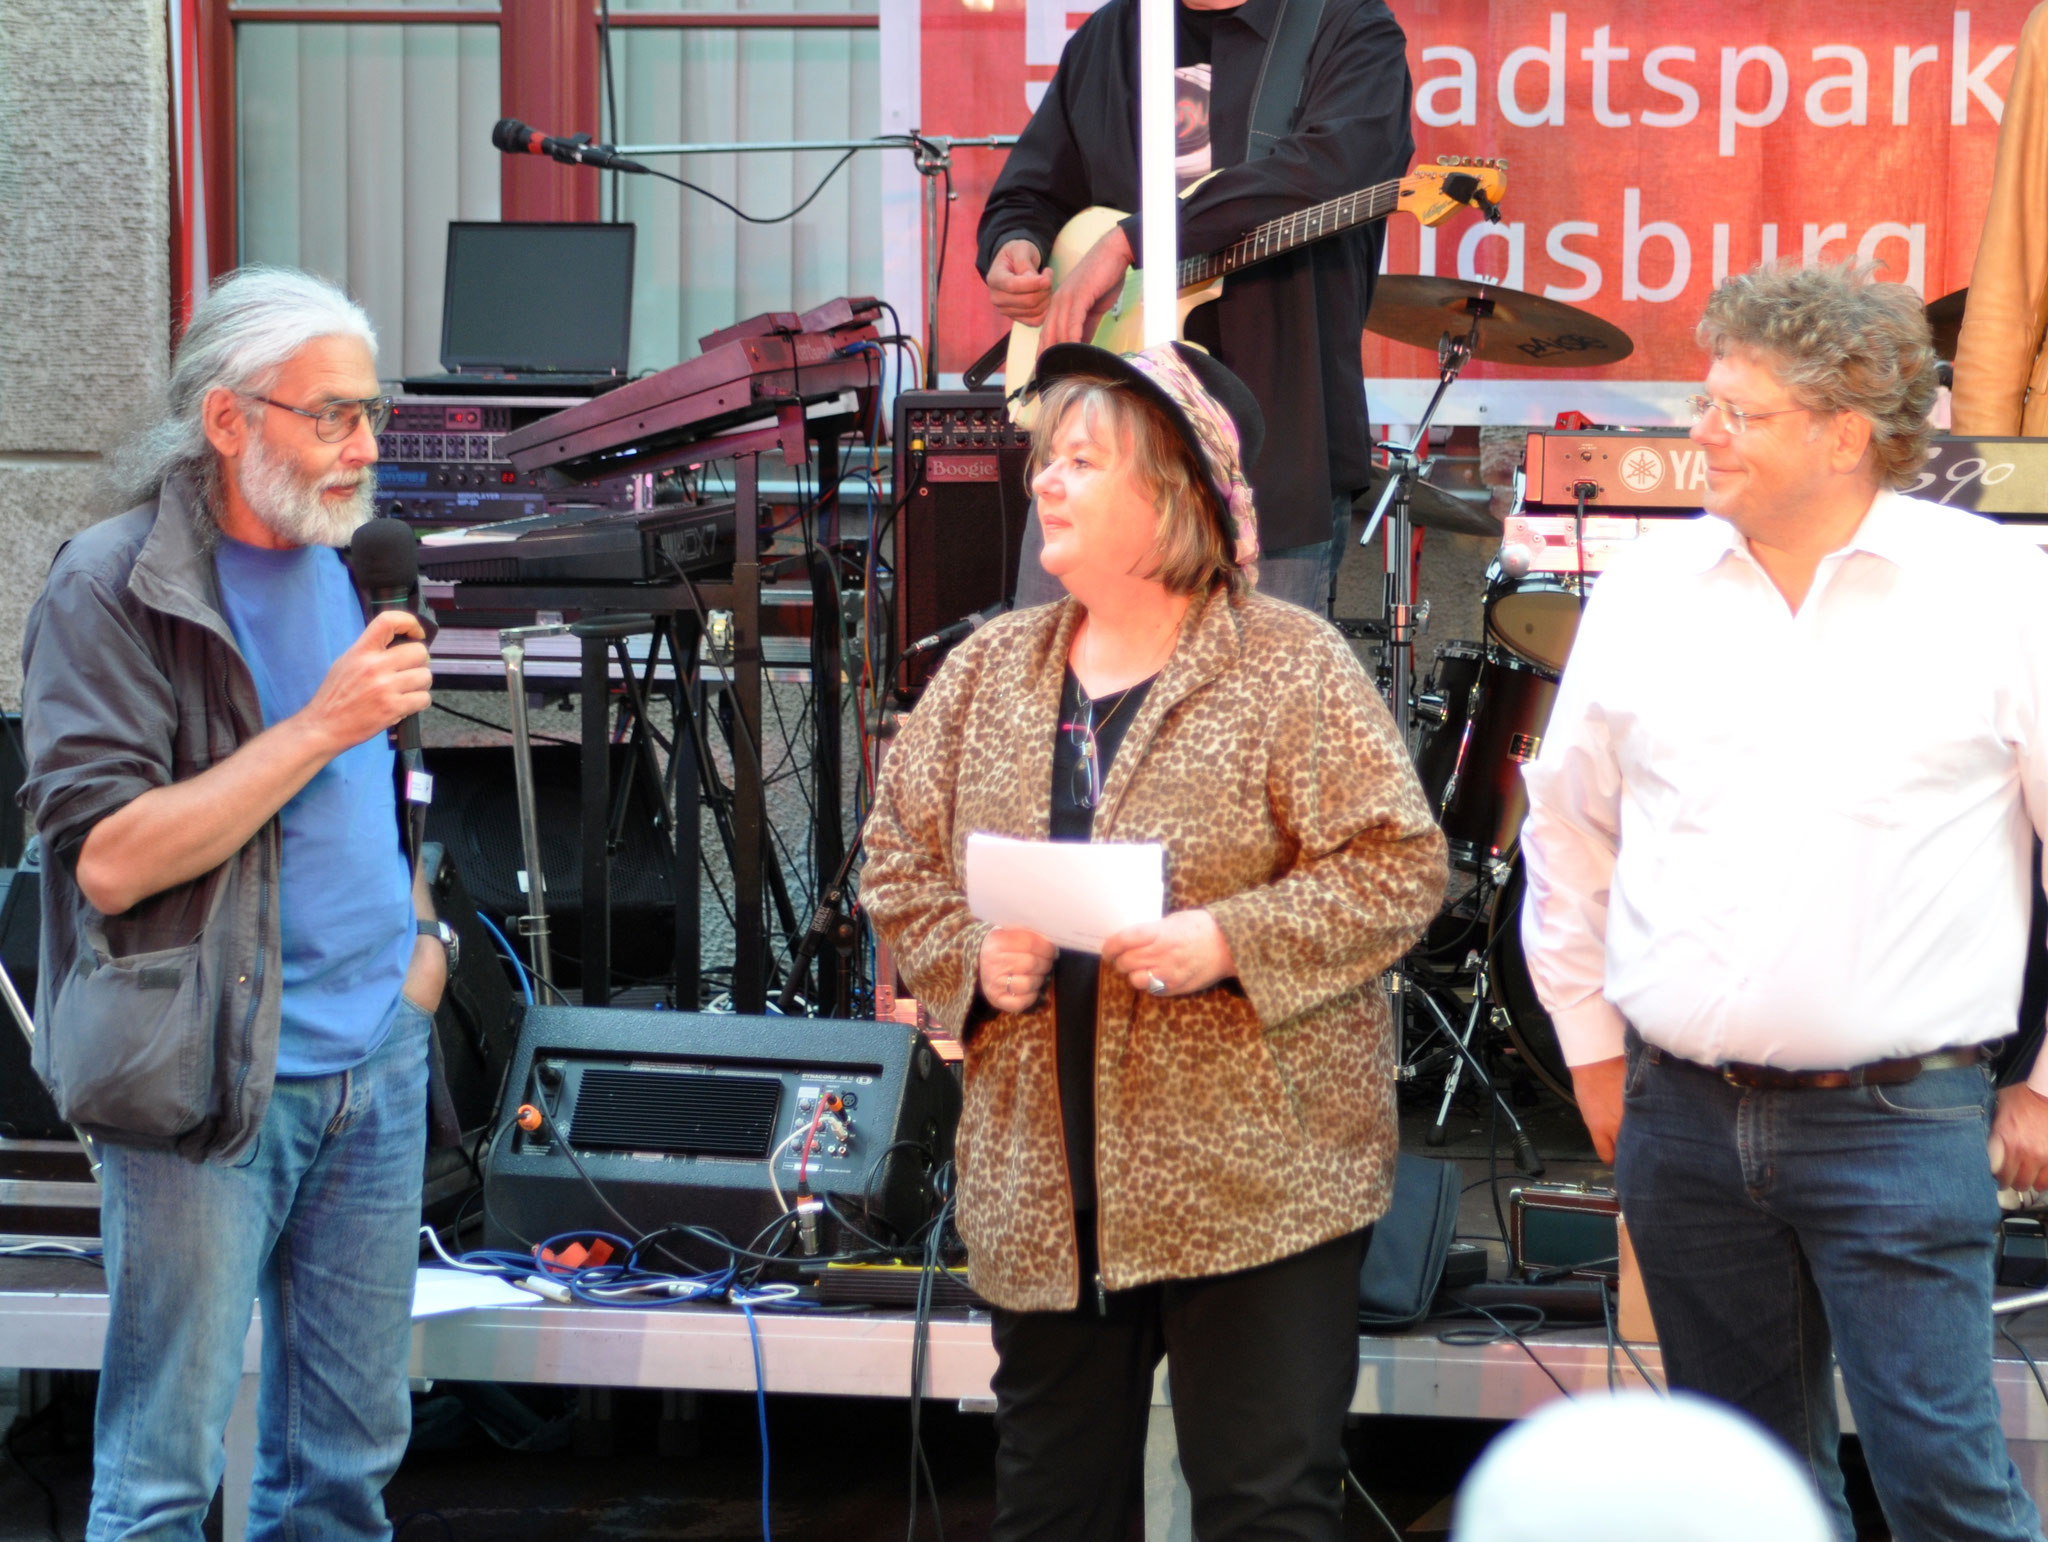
(1292,230)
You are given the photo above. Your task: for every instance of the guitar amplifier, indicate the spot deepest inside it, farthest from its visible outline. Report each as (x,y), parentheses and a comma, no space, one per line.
(961,504)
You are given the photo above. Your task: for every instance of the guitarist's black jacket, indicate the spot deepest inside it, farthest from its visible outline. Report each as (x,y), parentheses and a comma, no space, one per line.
(1290,326)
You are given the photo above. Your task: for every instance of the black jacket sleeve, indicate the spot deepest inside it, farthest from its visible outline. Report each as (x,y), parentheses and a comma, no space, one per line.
(1045,181)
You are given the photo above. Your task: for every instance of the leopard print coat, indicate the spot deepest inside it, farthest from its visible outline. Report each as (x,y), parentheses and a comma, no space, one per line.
(1235,1126)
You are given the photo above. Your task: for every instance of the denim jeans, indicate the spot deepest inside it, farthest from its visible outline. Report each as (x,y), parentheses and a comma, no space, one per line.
(1298,574)
(1773,1227)
(321,1224)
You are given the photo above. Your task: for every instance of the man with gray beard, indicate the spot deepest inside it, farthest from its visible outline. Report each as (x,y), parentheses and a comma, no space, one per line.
(236,987)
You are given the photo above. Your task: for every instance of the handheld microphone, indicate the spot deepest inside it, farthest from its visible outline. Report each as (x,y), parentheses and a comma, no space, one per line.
(956,630)
(515,138)
(385,560)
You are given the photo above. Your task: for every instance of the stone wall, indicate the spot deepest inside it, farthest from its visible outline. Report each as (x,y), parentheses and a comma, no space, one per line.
(84,267)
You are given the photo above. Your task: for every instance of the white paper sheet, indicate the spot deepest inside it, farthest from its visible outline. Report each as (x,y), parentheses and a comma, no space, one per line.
(1076,893)
(437,1292)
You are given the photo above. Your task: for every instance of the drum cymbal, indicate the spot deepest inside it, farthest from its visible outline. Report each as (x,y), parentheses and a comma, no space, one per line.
(1514,328)
(1945,316)
(1432,508)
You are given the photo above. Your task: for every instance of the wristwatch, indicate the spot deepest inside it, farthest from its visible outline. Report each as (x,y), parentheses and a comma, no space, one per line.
(450,942)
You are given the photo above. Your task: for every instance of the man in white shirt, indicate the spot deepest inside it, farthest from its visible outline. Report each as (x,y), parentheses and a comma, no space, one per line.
(1778,847)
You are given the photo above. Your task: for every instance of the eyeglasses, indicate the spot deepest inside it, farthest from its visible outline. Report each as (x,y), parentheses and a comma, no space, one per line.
(1738,421)
(1086,787)
(337,420)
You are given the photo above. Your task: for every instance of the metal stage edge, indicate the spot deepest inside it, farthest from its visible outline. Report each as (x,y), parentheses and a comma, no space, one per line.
(867,1354)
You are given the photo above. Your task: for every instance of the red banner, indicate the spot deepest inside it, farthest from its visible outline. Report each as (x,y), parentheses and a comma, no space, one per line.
(1651,149)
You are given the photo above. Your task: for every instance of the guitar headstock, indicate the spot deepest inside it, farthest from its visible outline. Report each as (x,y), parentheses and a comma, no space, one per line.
(1434,193)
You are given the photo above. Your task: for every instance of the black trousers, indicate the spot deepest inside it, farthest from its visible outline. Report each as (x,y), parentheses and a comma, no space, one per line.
(1262,1364)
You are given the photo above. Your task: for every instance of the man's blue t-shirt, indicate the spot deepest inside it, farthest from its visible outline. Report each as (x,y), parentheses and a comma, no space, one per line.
(346,898)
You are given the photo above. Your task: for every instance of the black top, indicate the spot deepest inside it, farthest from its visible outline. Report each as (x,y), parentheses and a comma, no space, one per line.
(1075,976)
(1080,148)
(1194,35)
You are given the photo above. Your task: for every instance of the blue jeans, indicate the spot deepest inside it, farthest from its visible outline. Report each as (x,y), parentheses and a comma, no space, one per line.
(1772,1227)
(1298,574)
(321,1224)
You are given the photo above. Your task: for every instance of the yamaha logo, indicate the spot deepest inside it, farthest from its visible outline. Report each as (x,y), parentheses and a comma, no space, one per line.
(1642,470)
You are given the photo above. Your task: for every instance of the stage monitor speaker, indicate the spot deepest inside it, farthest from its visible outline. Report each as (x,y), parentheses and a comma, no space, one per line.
(674,1116)
(961,506)
(475,817)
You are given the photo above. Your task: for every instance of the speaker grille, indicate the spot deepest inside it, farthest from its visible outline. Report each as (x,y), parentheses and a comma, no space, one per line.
(686,1113)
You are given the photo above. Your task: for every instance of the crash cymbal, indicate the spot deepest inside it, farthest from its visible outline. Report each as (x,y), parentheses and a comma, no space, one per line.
(1945,316)
(1514,328)
(1432,508)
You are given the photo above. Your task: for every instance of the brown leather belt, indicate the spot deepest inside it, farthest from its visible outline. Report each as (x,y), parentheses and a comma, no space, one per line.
(1879,1073)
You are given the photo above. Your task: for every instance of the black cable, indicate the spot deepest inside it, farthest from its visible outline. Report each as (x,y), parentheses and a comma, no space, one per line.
(2005,1332)
(447,1531)
(758,219)
(484,722)
(1479,1336)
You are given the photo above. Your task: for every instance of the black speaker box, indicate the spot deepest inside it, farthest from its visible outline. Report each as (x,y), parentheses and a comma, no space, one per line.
(26,1110)
(673,1115)
(475,818)
(961,505)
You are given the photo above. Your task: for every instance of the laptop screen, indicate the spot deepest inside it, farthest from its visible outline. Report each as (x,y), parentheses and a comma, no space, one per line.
(534,296)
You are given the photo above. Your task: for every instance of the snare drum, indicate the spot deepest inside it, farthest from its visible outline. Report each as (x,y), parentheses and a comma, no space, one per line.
(1471,762)
(1536,616)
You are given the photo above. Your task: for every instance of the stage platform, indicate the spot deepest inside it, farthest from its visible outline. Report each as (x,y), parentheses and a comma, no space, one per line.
(53,1317)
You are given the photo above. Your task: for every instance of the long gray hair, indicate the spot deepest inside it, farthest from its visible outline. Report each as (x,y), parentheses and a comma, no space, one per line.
(241,334)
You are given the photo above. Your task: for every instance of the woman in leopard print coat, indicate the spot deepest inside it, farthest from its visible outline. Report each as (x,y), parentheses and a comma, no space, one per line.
(1242,1136)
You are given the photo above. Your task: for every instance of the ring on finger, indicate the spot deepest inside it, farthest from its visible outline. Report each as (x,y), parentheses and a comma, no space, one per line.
(1154,985)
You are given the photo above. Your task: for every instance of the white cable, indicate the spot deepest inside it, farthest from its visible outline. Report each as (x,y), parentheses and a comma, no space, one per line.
(434,1237)
(774,1183)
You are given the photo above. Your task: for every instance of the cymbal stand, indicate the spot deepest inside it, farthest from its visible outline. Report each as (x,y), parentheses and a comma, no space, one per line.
(1525,1149)
(1404,464)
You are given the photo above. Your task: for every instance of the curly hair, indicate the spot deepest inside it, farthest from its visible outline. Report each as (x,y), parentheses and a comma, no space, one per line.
(1189,539)
(1839,342)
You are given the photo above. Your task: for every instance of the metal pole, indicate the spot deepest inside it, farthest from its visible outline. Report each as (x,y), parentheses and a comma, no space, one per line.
(755,146)
(1156,87)
(512,647)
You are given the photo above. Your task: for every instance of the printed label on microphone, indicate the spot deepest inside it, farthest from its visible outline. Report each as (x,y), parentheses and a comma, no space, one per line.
(419,787)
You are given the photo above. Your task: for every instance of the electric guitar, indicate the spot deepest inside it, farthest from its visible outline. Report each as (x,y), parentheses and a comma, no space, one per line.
(1431,193)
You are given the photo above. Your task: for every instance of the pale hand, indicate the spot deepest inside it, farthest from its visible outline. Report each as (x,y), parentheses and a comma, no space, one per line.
(1014,964)
(373,684)
(1079,302)
(1186,952)
(1597,1088)
(2019,1139)
(1018,287)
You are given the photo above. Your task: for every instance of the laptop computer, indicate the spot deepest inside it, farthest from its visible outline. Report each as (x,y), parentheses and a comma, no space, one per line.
(534,307)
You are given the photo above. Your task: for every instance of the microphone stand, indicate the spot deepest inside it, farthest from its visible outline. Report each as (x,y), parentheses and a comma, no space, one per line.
(828,920)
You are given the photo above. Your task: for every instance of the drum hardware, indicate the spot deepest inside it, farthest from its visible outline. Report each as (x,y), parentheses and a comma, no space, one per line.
(1399,988)
(1405,467)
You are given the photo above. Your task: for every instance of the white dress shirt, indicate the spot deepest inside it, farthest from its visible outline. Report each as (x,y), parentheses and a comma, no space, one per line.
(1797,840)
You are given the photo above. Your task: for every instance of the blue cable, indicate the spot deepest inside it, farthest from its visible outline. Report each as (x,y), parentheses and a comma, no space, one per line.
(760,1406)
(525,982)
